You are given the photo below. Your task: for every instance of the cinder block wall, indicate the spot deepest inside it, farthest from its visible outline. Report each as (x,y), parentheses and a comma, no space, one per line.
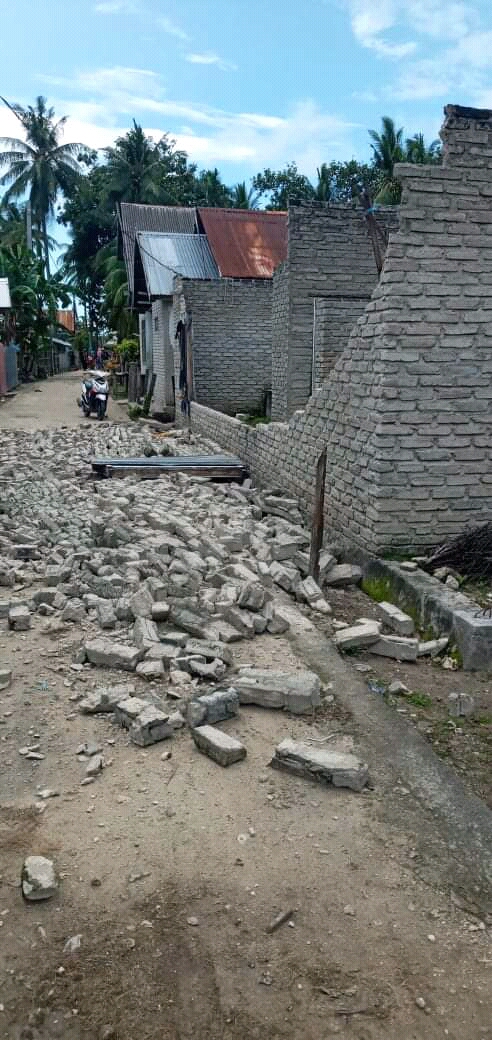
(232,341)
(406,413)
(163,360)
(333,323)
(330,256)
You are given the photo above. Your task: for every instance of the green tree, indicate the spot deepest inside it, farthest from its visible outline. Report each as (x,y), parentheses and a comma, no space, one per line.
(283,187)
(133,167)
(40,166)
(387,149)
(343,182)
(418,151)
(210,190)
(35,299)
(244,198)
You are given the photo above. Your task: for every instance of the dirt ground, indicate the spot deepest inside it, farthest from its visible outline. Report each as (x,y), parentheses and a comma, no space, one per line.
(155,843)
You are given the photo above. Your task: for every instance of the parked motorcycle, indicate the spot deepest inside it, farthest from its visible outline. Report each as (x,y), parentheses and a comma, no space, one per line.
(95,393)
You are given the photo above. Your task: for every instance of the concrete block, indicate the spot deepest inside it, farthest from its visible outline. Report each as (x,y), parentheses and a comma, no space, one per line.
(20,618)
(38,879)
(241,620)
(141,603)
(211,670)
(107,654)
(150,669)
(460,704)
(432,647)
(331,767)
(298,692)
(213,707)
(128,709)
(150,726)
(164,652)
(188,621)
(252,596)
(218,745)
(399,622)
(209,649)
(285,546)
(160,611)
(356,636)
(397,647)
(309,591)
(105,614)
(343,575)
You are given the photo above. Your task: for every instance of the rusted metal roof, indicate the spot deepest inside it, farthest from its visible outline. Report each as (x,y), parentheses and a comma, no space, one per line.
(134,218)
(164,256)
(66,319)
(245,243)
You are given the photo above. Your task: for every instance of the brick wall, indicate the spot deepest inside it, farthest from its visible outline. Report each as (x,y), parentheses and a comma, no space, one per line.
(232,341)
(329,255)
(334,320)
(163,361)
(406,412)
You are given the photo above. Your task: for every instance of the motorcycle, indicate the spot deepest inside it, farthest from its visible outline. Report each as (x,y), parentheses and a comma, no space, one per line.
(95,393)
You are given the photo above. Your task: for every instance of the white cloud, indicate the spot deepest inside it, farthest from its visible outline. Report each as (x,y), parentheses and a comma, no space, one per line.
(370,20)
(209,58)
(101,103)
(172,29)
(115,7)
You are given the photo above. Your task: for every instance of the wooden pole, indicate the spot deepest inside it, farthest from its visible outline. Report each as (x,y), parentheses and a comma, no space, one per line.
(318,519)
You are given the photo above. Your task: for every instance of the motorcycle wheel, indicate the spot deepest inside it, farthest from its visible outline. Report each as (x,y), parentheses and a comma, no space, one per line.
(101,409)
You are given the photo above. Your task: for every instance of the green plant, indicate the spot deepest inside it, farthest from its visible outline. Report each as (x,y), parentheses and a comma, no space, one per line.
(129,351)
(379,589)
(421,700)
(135,411)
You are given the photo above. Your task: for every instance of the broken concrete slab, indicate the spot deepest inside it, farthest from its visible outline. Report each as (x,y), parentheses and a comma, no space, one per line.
(19,618)
(321,764)
(150,727)
(397,620)
(194,624)
(242,621)
(104,699)
(277,623)
(252,596)
(213,707)
(285,546)
(311,593)
(38,879)
(343,575)
(145,633)
(397,647)
(358,635)
(218,745)
(212,670)
(164,652)
(432,647)
(298,692)
(141,603)
(107,654)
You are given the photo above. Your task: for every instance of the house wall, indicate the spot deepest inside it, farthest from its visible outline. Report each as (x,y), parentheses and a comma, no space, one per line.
(333,321)
(329,255)
(163,359)
(146,335)
(405,415)
(232,341)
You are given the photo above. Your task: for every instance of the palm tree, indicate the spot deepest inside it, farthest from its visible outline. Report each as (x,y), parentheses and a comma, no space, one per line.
(417,151)
(241,198)
(210,190)
(323,190)
(133,166)
(387,150)
(39,167)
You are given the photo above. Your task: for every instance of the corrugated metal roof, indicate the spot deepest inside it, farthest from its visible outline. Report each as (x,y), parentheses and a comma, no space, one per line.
(5,302)
(134,218)
(164,256)
(245,243)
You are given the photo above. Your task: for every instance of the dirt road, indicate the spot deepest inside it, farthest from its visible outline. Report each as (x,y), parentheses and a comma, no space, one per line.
(172,868)
(47,405)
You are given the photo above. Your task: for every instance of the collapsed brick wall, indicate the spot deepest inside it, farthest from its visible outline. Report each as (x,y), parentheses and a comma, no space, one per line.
(329,255)
(232,341)
(406,413)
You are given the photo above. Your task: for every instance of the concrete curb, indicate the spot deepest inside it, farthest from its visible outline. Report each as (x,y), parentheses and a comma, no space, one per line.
(396,750)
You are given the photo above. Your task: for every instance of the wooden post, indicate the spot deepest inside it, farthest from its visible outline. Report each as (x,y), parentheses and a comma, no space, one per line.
(318,520)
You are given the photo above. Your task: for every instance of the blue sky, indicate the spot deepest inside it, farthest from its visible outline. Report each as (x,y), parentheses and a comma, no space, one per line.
(243,86)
